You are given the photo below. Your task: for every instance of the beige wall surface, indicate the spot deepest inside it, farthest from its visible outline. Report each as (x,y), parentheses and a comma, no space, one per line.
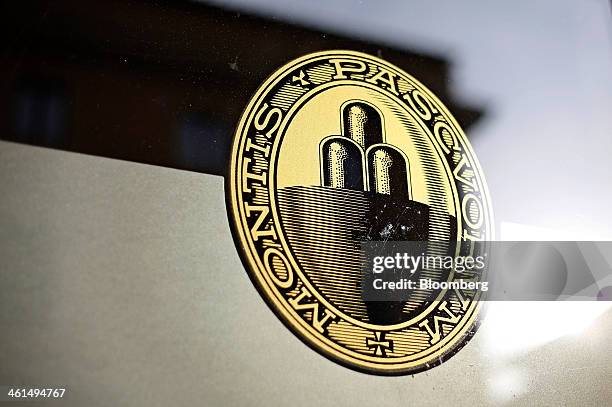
(121,283)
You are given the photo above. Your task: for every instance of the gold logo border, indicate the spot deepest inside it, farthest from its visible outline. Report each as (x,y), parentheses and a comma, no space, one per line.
(437,353)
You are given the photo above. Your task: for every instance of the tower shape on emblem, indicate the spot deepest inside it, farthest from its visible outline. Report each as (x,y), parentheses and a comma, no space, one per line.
(359,159)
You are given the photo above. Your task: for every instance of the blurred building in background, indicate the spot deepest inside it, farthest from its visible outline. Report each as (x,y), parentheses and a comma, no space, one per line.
(159,83)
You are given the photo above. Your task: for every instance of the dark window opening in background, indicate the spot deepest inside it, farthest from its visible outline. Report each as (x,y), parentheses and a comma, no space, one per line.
(203,145)
(40,112)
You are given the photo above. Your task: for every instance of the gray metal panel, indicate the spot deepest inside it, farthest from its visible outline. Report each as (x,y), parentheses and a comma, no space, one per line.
(121,282)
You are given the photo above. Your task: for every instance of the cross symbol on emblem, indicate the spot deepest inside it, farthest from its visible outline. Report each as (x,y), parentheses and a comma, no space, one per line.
(380,345)
(301,79)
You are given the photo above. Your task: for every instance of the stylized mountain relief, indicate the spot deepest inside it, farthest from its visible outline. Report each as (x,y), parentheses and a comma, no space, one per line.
(365,195)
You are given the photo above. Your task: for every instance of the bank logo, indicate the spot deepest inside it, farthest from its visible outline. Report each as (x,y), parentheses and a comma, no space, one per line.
(335,150)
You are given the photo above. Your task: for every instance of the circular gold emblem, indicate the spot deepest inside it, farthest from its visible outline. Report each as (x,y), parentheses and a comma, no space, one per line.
(335,149)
